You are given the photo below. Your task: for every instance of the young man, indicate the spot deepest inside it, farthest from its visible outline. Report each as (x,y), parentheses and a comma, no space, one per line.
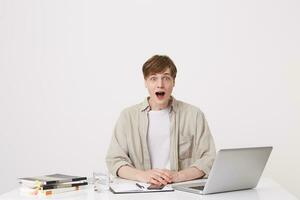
(161,140)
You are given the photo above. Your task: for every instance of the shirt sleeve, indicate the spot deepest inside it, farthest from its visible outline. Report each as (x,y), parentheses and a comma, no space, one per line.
(204,146)
(117,154)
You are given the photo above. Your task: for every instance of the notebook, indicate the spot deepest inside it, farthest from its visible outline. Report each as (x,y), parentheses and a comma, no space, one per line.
(132,187)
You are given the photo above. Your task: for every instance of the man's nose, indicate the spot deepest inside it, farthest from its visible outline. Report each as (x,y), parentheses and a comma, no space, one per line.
(160,83)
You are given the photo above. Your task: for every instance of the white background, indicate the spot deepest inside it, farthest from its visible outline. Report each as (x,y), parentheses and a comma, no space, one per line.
(67,69)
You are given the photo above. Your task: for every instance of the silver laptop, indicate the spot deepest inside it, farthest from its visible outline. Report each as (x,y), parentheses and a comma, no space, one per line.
(233,169)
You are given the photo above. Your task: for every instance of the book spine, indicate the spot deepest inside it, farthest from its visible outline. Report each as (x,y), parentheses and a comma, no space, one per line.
(64,181)
(47,187)
(40,181)
(79,179)
(48,182)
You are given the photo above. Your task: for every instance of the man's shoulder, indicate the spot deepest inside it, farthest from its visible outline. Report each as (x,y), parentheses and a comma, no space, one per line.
(186,107)
(133,109)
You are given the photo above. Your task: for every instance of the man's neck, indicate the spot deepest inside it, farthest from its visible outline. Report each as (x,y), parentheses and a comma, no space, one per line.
(159,106)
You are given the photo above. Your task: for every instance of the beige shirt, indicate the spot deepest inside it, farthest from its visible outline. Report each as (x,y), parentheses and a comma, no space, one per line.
(191,144)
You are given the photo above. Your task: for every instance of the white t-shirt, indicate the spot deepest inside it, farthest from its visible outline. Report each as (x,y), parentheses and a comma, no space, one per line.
(159,138)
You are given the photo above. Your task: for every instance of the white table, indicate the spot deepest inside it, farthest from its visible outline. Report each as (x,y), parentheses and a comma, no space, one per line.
(267,189)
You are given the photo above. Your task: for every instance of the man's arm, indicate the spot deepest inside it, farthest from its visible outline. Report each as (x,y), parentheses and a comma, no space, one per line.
(153,176)
(204,146)
(159,176)
(117,154)
(185,174)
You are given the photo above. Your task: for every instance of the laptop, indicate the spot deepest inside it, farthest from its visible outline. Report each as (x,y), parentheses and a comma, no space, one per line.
(233,169)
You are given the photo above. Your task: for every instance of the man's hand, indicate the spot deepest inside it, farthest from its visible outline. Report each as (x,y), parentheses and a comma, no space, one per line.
(176,176)
(155,176)
(159,176)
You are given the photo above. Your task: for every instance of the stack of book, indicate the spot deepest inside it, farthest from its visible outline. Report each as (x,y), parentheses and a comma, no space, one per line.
(51,184)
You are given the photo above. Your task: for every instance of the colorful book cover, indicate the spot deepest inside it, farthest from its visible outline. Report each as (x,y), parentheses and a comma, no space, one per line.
(38,192)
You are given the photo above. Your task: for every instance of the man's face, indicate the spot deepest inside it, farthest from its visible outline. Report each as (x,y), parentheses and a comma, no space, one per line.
(160,87)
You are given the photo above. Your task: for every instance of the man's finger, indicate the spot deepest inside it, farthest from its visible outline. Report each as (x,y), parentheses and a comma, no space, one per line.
(159,179)
(166,176)
(154,181)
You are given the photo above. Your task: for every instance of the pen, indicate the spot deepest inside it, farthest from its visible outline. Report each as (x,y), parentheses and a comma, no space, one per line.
(140,186)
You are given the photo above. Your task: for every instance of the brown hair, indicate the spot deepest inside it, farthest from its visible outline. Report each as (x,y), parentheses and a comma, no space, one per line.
(158,64)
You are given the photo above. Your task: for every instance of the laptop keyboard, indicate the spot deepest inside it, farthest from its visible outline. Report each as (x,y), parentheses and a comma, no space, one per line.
(200,187)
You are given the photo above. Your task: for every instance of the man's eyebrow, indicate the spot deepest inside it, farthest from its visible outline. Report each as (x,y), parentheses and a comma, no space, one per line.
(159,73)
(167,74)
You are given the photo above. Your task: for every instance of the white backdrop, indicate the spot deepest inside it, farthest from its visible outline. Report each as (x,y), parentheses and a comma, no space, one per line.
(67,69)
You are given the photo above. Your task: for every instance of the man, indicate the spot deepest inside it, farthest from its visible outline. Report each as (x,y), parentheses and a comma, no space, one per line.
(161,140)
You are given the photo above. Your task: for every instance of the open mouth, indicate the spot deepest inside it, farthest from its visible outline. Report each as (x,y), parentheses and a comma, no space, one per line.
(160,95)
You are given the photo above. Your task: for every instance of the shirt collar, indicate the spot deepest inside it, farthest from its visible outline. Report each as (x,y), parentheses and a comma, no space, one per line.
(146,107)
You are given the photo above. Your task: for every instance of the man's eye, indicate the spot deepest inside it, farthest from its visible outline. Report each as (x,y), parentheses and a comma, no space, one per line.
(153,78)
